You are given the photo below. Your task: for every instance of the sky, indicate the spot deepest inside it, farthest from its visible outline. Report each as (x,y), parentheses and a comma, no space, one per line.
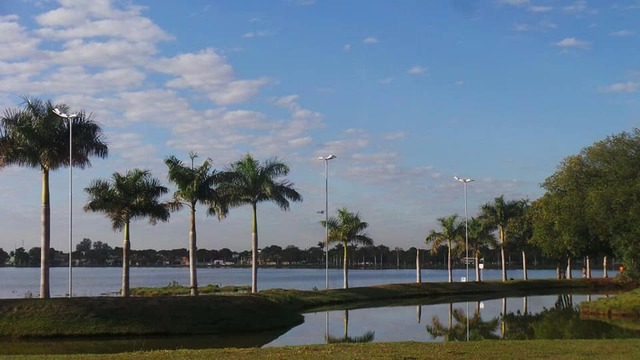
(407,95)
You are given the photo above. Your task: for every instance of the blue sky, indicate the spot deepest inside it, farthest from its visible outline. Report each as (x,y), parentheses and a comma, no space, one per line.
(406,94)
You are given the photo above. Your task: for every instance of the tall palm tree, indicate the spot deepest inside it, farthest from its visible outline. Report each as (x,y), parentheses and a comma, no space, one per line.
(452,232)
(195,185)
(498,215)
(34,136)
(248,182)
(347,229)
(480,237)
(123,198)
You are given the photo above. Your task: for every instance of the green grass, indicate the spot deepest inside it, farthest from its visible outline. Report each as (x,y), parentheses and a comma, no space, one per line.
(115,316)
(494,350)
(174,289)
(623,305)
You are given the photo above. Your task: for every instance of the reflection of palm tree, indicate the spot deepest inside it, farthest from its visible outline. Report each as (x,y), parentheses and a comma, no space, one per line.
(365,338)
(478,329)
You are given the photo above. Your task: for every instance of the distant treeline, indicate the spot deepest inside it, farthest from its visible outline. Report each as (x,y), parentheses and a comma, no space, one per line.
(89,253)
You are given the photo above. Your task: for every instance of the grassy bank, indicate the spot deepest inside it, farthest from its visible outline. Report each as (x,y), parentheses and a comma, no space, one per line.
(495,350)
(115,316)
(223,314)
(624,305)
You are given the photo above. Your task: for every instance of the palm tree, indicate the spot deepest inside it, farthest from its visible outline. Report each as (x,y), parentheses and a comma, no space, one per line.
(520,230)
(36,137)
(452,232)
(124,198)
(480,236)
(498,215)
(195,185)
(249,182)
(347,228)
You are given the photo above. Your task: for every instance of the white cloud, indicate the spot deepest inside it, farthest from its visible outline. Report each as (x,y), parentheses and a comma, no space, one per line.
(255,34)
(416,70)
(521,27)
(15,42)
(387,80)
(347,47)
(540,9)
(397,135)
(90,19)
(210,73)
(370,41)
(622,33)
(626,87)
(572,43)
(514,2)
(579,7)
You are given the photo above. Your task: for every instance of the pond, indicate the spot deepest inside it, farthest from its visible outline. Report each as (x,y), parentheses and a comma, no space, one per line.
(534,317)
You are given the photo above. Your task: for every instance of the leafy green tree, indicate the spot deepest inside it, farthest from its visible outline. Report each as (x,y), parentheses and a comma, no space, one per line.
(498,215)
(248,182)
(4,257)
(36,137)
(195,185)
(123,198)
(84,245)
(347,229)
(20,257)
(451,233)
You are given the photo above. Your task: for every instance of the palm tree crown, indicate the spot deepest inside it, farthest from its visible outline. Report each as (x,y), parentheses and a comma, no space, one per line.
(498,214)
(248,182)
(36,137)
(451,233)
(347,228)
(123,198)
(195,185)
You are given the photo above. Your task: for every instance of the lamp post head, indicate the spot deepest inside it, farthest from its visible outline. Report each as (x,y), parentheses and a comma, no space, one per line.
(61,114)
(327,157)
(462,180)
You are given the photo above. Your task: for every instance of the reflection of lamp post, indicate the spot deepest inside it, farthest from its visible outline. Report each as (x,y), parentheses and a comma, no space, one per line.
(466,238)
(70,119)
(326,215)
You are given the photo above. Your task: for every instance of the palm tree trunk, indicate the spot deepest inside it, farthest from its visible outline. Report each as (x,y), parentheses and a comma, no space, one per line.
(605,273)
(126,245)
(418,267)
(45,222)
(346,324)
(193,259)
(569,269)
(477,261)
(503,322)
(254,250)
(450,271)
(525,301)
(525,276)
(502,255)
(588,267)
(345,268)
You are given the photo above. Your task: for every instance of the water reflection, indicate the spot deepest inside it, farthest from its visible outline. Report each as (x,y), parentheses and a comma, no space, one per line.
(457,330)
(364,338)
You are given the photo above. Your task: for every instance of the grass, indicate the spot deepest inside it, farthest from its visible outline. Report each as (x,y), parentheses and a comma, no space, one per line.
(495,350)
(624,305)
(115,316)
(175,289)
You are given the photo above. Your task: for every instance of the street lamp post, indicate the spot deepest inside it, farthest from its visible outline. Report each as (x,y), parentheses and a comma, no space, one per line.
(466,237)
(326,215)
(70,119)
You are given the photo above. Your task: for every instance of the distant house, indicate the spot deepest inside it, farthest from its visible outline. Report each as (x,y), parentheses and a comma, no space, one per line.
(222,263)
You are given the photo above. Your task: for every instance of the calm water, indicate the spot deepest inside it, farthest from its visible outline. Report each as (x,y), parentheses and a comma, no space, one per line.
(20,282)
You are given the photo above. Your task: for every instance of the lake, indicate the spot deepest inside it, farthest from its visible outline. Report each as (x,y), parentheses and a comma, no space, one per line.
(24,282)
